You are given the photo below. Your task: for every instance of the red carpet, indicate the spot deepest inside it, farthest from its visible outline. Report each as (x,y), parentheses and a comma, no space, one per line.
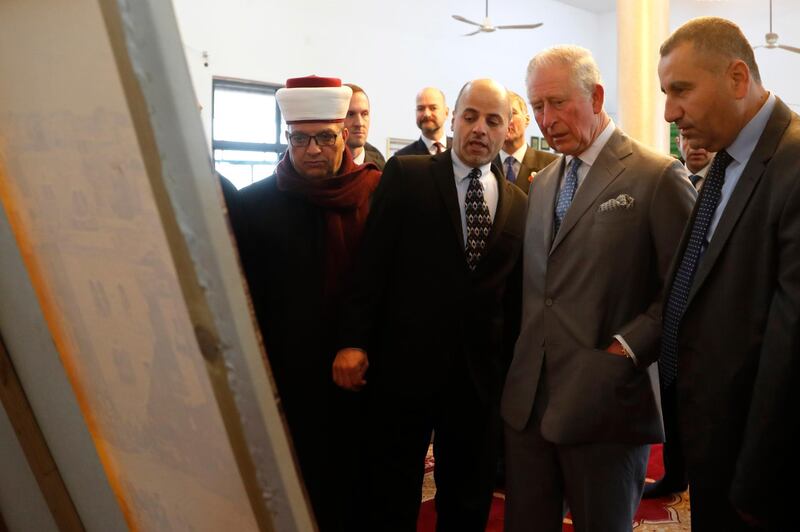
(666,514)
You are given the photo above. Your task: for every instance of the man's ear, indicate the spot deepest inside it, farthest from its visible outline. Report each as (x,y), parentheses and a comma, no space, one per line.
(598,96)
(345,134)
(739,76)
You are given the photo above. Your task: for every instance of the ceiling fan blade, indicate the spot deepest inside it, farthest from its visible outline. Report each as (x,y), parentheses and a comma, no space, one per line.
(519,26)
(473,33)
(790,48)
(462,19)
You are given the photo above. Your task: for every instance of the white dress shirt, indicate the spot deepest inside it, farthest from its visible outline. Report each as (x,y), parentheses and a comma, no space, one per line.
(429,143)
(361,156)
(517,155)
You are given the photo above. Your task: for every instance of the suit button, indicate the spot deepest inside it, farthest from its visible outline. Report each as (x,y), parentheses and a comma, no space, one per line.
(548,302)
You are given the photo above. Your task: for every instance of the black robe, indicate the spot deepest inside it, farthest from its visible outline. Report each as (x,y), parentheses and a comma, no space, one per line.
(281,244)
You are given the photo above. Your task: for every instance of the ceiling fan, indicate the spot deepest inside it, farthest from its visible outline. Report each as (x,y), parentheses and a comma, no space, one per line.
(487,27)
(772,38)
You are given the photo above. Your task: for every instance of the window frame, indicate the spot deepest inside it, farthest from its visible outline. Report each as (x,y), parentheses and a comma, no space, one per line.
(232,145)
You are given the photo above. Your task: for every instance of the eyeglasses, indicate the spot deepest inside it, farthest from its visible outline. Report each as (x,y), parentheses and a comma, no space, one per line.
(301,140)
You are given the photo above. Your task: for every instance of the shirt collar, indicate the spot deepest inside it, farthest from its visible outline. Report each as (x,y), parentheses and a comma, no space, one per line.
(704,170)
(442,140)
(742,148)
(518,155)
(361,157)
(461,170)
(589,155)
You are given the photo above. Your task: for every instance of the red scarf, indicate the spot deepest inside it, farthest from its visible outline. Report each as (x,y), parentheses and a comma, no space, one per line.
(345,199)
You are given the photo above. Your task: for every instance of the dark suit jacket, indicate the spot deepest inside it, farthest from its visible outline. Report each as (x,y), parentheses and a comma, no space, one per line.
(372,155)
(416,308)
(533,162)
(739,340)
(602,275)
(418,147)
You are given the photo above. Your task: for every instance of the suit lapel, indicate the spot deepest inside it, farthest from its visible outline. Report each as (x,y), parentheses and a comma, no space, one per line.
(605,169)
(503,206)
(751,175)
(445,182)
(543,200)
(526,168)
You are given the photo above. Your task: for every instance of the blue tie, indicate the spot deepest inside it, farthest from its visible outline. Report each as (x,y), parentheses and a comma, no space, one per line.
(678,294)
(566,194)
(510,175)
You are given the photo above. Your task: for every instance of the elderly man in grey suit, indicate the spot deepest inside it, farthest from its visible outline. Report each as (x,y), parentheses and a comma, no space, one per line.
(581,396)
(731,336)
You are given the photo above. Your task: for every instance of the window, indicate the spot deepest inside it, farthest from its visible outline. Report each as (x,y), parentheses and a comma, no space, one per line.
(246,130)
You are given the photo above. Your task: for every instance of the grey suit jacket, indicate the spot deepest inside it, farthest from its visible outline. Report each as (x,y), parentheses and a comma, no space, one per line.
(533,162)
(739,340)
(602,275)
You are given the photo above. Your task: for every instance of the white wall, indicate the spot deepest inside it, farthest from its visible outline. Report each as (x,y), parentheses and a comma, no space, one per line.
(391,49)
(778,67)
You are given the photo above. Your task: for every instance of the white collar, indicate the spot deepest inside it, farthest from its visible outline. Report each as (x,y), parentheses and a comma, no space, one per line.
(589,155)
(461,170)
(518,155)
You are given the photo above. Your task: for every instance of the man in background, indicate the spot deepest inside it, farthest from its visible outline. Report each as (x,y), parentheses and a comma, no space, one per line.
(357,124)
(519,161)
(298,232)
(731,336)
(697,161)
(432,112)
(603,223)
(427,315)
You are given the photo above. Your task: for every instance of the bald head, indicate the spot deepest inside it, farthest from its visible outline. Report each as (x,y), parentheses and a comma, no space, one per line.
(432,112)
(480,121)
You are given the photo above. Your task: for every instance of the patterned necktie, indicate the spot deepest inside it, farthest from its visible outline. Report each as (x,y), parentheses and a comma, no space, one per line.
(694,178)
(566,194)
(510,174)
(479,221)
(678,295)
(437,146)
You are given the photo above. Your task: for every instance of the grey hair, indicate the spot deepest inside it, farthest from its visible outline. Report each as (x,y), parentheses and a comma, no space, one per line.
(584,70)
(716,36)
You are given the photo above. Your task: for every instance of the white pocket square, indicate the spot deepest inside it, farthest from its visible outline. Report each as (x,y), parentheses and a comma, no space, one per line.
(623,201)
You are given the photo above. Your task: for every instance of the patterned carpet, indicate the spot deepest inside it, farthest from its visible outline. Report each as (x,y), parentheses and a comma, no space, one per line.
(667,514)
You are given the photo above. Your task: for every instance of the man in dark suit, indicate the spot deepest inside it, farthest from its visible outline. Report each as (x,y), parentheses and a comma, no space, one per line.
(732,311)
(428,306)
(432,112)
(357,124)
(519,161)
(580,401)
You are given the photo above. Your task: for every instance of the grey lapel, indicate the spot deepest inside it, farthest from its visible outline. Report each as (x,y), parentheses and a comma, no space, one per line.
(605,169)
(539,224)
(753,171)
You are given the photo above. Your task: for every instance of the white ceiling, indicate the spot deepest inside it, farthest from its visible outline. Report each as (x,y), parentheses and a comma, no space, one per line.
(598,6)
